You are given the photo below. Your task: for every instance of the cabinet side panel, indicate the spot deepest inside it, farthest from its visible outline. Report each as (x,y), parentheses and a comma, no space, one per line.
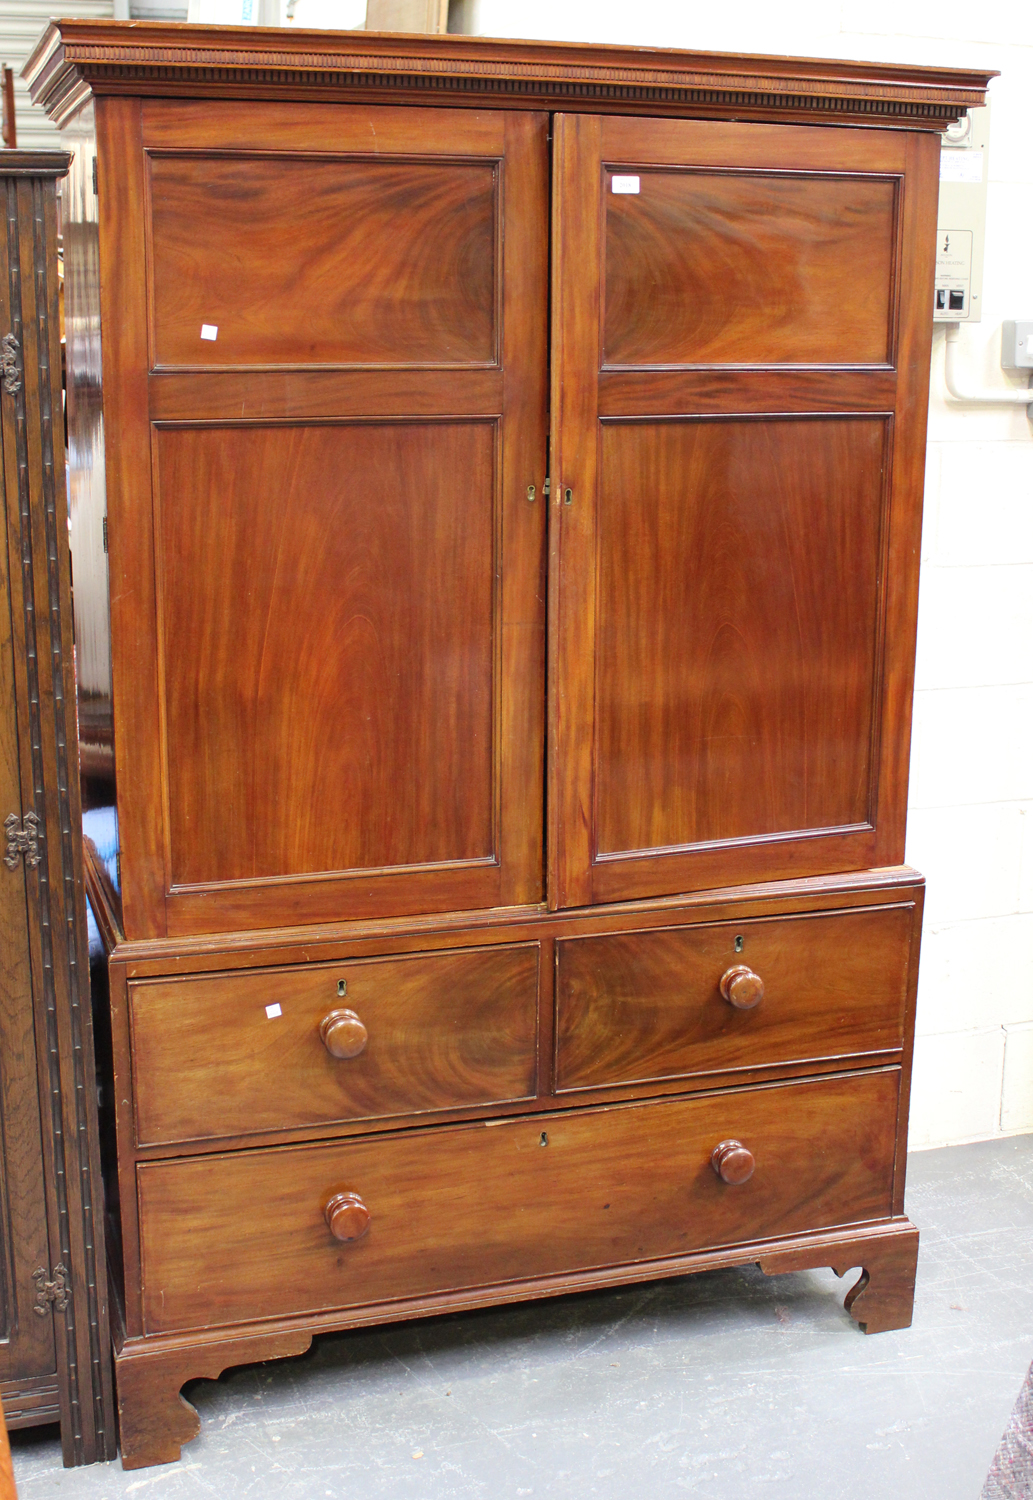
(130,531)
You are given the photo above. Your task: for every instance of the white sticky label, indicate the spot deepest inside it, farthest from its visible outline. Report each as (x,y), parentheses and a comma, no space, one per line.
(958,165)
(624,184)
(272,1011)
(209,331)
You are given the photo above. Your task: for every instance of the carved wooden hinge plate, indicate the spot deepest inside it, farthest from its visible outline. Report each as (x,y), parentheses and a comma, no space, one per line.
(9,363)
(21,840)
(50,1294)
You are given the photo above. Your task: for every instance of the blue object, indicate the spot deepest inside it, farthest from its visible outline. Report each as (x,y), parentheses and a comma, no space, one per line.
(100,825)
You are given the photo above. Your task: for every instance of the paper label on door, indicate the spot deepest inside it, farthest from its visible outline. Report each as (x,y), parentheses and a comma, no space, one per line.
(624,184)
(210,331)
(273,1010)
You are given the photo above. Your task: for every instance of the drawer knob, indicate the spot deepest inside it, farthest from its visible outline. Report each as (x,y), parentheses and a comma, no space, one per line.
(347,1216)
(741,987)
(343,1033)
(732,1162)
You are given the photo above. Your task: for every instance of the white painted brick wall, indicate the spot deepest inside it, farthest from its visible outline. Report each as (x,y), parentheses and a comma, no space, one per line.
(971,825)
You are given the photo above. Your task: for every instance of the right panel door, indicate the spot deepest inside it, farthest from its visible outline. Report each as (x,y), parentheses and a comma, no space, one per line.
(742,321)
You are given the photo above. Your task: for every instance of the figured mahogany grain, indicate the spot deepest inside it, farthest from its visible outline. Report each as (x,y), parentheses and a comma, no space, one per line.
(637,1006)
(610,1186)
(444,1030)
(748,268)
(738,589)
(360,291)
(329,671)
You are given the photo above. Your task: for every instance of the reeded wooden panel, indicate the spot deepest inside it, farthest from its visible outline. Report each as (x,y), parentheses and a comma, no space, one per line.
(749,268)
(738,583)
(243,1235)
(327,642)
(637,1006)
(233,1054)
(300,261)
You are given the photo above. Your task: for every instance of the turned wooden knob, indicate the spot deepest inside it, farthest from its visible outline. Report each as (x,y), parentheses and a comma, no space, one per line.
(347,1216)
(741,987)
(343,1033)
(732,1162)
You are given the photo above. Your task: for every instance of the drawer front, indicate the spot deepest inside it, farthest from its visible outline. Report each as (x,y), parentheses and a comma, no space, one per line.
(243,1236)
(640,1006)
(236,1054)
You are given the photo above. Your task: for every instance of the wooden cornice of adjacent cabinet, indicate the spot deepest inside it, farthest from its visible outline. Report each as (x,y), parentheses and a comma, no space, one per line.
(75,60)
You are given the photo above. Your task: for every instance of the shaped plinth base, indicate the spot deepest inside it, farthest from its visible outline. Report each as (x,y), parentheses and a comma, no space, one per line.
(883,1297)
(154,1419)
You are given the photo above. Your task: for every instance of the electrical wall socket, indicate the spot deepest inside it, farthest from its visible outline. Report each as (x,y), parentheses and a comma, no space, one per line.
(1017,346)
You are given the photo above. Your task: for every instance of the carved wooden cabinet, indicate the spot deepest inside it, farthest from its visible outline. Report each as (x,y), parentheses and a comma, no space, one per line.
(511,721)
(55,1363)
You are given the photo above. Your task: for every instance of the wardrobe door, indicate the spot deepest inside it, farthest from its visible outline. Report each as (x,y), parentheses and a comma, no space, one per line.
(327,531)
(741,326)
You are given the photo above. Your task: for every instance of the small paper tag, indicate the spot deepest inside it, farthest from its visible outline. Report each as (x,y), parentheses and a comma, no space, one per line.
(961,165)
(624,184)
(273,1010)
(211,331)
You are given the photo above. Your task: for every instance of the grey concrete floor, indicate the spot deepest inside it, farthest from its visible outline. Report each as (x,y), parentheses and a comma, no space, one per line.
(724,1385)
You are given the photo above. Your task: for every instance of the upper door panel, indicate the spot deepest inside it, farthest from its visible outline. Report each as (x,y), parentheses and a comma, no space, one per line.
(328,618)
(738,311)
(706,267)
(358,291)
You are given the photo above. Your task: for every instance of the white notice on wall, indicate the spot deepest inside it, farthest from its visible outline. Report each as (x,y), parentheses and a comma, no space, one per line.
(210,331)
(960,166)
(624,184)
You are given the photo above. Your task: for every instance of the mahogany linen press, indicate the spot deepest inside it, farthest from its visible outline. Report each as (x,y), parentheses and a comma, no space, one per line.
(513,461)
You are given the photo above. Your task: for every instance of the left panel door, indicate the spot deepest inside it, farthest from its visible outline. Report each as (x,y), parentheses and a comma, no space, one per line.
(325,357)
(27,1351)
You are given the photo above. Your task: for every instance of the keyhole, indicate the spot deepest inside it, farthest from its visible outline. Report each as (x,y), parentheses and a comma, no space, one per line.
(739,944)
(544,1140)
(342,988)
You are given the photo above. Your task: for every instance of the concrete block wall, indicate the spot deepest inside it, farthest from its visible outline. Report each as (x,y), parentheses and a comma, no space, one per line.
(971,819)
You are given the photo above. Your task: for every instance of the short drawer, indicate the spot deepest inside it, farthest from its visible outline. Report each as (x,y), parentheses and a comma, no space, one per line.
(241,1236)
(637,1007)
(237,1054)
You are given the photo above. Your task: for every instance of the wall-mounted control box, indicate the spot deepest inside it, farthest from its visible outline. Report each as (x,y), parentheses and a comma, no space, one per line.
(1017,346)
(961,219)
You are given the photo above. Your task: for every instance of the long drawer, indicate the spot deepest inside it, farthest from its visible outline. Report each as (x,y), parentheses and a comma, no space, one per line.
(245,1235)
(233,1054)
(636,1007)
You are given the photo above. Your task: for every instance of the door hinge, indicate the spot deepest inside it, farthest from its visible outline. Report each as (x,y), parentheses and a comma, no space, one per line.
(104,532)
(21,840)
(96,190)
(9,364)
(545,488)
(50,1294)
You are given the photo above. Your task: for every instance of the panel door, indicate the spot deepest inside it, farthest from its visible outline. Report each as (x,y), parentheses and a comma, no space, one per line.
(325,329)
(26,1336)
(740,345)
